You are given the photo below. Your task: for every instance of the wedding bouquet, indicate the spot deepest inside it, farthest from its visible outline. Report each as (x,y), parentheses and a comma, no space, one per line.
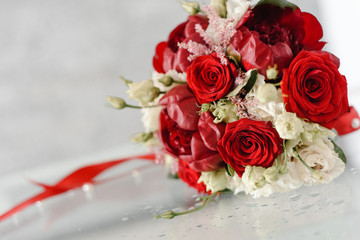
(242,99)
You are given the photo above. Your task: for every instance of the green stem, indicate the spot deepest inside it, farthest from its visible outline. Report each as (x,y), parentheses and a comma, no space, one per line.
(297,155)
(171,214)
(179,82)
(139,107)
(277,84)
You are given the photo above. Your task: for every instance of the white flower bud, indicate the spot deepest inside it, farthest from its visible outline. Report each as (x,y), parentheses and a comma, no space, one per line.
(220,7)
(143,91)
(267,93)
(288,125)
(272,72)
(116,102)
(191,7)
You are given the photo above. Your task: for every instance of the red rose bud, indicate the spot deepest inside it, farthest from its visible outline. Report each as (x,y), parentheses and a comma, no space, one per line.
(209,79)
(249,142)
(274,35)
(168,56)
(191,177)
(185,134)
(314,89)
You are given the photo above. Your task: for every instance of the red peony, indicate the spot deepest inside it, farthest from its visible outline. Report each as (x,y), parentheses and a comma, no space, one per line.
(314,89)
(274,35)
(249,142)
(185,134)
(209,79)
(191,177)
(168,56)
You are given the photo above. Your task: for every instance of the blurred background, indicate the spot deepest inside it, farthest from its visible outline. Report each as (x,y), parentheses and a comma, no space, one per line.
(59,59)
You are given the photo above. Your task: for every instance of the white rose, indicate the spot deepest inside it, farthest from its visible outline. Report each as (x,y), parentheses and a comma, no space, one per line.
(236,9)
(321,157)
(215,180)
(288,125)
(143,91)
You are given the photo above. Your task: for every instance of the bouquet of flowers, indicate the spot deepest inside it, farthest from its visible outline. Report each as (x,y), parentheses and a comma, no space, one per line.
(242,99)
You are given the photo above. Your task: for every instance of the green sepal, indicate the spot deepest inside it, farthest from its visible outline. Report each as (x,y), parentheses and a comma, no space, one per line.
(229,170)
(173,176)
(279,3)
(339,151)
(251,82)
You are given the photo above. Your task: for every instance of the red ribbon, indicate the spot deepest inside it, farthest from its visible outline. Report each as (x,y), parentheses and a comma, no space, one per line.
(348,122)
(76,179)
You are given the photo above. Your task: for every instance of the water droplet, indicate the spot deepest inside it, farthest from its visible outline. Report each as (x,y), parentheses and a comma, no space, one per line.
(199,226)
(295,198)
(88,189)
(15,220)
(39,206)
(307,207)
(314,194)
(162,235)
(331,203)
(147,207)
(124,219)
(230,216)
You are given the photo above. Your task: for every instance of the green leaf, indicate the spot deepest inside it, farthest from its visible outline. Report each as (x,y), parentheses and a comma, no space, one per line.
(229,170)
(279,3)
(339,151)
(252,80)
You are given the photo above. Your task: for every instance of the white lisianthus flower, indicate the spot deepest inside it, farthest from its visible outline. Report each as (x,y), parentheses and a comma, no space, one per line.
(267,93)
(235,184)
(225,111)
(288,125)
(215,181)
(322,158)
(144,92)
(236,9)
(150,118)
(313,132)
(254,178)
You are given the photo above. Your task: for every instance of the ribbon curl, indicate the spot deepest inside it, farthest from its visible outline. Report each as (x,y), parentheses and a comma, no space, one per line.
(76,179)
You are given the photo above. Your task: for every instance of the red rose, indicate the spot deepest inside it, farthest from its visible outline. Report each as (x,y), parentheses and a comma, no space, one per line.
(248,142)
(209,79)
(273,35)
(191,177)
(168,56)
(314,89)
(187,135)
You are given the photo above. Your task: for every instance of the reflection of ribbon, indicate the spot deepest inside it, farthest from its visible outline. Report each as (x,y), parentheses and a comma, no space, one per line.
(76,179)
